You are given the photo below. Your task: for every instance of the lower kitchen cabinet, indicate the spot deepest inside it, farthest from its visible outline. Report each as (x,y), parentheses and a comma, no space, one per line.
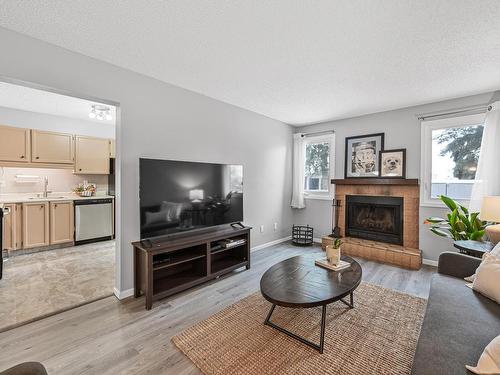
(12,228)
(36,224)
(61,222)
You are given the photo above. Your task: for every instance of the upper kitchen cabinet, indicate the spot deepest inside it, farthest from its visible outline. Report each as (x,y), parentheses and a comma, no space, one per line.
(50,147)
(91,155)
(15,144)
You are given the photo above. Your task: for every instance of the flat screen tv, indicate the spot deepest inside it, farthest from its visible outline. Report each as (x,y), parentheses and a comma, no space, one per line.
(181,196)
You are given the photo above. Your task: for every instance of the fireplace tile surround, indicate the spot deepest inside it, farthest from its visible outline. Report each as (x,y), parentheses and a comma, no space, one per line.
(407,254)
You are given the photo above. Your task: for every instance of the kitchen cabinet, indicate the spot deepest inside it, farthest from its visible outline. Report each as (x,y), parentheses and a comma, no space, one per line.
(61,222)
(50,147)
(112,148)
(12,228)
(91,155)
(35,224)
(15,144)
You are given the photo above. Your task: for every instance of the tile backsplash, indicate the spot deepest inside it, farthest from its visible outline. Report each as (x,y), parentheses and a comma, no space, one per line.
(60,180)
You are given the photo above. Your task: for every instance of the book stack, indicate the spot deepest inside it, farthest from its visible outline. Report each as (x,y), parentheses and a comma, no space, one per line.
(229,243)
(324,263)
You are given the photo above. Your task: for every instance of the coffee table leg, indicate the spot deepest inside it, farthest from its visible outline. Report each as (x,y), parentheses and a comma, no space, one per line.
(351,303)
(300,338)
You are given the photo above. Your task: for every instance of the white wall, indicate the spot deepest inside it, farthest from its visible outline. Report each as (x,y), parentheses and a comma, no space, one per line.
(402,130)
(60,180)
(163,121)
(42,121)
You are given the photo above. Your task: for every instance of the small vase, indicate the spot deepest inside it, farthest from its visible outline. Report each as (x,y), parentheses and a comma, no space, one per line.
(333,255)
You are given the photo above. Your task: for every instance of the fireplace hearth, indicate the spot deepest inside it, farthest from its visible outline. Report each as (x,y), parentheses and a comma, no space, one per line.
(377,218)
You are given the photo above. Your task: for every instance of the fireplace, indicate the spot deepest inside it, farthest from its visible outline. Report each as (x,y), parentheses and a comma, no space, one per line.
(377,218)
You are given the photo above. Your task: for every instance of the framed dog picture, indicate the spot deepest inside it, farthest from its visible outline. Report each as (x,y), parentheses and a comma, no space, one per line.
(361,155)
(393,163)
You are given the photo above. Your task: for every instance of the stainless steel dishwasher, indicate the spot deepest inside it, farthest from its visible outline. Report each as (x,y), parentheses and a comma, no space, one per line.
(93,220)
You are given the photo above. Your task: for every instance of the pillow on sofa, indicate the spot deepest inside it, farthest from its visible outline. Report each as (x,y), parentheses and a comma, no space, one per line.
(496,250)
(487,276)
(489,362)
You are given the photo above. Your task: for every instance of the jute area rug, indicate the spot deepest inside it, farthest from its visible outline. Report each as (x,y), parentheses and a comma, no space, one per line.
(378,336)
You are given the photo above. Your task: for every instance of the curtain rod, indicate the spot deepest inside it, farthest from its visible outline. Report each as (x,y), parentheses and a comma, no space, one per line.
(318,133)
(471,110)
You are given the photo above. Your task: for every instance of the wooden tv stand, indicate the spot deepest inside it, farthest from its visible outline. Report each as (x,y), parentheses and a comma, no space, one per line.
(176,264)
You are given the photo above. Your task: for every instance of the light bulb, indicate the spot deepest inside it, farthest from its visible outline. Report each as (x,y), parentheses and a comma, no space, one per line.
(92,114)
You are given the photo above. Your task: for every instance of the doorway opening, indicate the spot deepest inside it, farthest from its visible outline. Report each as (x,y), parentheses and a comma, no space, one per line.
(58,195)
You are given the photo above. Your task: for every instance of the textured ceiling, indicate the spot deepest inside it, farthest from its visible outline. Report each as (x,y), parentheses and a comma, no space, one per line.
(298,61)
(33,100)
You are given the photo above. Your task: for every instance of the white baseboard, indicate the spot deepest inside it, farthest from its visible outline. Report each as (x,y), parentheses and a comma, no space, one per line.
(123,294)
(430,262)
(270,243)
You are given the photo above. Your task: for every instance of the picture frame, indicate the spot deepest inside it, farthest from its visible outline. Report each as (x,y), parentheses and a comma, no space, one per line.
(362,155)
(393,163)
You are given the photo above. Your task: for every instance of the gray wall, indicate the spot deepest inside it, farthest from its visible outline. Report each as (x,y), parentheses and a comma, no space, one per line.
(159,120)
(402,130)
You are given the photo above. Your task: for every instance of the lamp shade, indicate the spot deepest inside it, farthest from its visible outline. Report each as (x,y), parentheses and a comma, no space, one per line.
(490,211)
(196,195)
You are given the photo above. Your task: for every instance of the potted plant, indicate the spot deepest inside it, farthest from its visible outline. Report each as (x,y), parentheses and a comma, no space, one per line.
(460,224)
(333,252)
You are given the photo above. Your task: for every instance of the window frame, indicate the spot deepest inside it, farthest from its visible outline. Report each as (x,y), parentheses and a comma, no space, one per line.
(427,127)
(324,138)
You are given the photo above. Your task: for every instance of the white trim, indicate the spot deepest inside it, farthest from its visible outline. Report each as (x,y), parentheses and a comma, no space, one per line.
(325,194)
(124,294)
(427,126)
(270,243)
(319,197)
(317,240)
(430,262)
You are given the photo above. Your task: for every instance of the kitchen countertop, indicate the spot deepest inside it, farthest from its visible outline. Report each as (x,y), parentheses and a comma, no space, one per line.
(53,197)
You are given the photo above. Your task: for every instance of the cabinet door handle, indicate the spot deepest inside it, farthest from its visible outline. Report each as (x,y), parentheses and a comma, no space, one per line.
(41,206)
(80,169)
(37,157)
(22,156)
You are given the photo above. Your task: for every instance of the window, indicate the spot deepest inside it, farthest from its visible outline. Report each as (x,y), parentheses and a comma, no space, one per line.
(318,164)
(450,152)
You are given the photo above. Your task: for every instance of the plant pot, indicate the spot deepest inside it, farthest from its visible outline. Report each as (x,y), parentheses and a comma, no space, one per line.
(333,255)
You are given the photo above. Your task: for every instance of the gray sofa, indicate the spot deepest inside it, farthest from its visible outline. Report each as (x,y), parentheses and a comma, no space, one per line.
(458,323)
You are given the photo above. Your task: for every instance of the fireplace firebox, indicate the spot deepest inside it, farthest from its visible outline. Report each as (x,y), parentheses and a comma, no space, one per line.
(376,218)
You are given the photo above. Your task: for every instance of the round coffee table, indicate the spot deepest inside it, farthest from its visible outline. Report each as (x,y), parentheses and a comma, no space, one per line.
(298,283)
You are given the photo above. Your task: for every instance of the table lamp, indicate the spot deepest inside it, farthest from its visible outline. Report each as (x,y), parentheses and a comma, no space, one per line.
(196,195)
(490,211)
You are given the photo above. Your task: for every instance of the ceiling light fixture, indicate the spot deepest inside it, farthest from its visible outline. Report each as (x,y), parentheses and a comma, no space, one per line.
(100,112)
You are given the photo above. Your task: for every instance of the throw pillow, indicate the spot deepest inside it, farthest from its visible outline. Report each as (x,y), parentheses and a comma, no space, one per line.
(489,362)
(487,276)
(496,250)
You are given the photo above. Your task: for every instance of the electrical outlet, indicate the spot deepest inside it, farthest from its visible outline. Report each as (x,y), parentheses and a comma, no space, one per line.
(261,229)
(275,227)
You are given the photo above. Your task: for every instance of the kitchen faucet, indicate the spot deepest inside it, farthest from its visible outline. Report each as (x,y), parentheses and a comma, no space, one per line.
(45,186)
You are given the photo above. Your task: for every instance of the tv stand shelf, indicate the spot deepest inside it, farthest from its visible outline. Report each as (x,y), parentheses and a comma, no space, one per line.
(162,268)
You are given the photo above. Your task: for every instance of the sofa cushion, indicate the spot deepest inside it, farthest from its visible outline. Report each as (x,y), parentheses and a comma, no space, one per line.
(458,325)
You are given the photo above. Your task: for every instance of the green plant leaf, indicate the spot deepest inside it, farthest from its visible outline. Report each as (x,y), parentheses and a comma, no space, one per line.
(435,220)
(450,203)
(441,233)
(477,236)
(464,210)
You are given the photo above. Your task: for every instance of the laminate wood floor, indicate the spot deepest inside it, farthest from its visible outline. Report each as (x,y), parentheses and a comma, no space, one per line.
(113,337)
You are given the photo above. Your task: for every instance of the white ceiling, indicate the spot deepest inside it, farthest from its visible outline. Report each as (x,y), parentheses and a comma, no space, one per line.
(298,61)
(33,100)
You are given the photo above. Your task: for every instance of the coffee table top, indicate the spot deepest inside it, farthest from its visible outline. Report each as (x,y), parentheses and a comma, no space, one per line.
(298,282)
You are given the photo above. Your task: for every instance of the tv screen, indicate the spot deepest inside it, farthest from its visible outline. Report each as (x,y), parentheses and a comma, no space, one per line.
(180,196)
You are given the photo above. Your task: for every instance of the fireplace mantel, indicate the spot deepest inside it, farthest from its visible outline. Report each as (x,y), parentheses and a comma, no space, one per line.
(376,181)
